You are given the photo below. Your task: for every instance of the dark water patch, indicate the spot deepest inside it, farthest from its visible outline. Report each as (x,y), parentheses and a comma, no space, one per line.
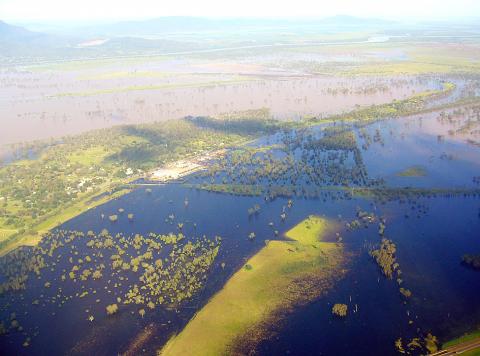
(406,143)
(205,213)
(445,294)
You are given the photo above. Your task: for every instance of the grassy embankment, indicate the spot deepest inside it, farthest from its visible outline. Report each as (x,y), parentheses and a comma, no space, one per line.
(56,218)
(280,276)
(464,338)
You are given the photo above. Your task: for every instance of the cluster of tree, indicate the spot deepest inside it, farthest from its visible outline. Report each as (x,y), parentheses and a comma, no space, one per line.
(418,345)
(412,196)
(364,219)
(397,108)
(303,162)
(79,167)
(385,258)
(148,271)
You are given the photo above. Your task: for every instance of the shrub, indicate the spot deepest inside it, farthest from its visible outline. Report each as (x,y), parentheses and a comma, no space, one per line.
(340,310)
(112,309)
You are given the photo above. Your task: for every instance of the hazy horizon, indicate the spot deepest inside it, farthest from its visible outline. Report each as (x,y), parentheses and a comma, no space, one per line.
(55,11)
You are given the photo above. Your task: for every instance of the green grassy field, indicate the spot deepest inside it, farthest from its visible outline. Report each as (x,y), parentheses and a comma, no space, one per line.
(280,276)
(56,218)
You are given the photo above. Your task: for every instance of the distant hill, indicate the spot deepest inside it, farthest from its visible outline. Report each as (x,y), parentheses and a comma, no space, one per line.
(353,21)
(160,35)
(19,43)
(12,33)
(183,24)
(174,34)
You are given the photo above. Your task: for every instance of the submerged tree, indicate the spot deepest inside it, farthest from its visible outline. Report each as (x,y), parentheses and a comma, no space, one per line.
(340,309)
(112,309)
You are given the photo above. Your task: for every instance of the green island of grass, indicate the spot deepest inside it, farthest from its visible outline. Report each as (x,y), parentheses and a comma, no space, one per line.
(414,171)
(280,276)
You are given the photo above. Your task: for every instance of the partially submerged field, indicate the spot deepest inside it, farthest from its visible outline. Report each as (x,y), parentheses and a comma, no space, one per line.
(370,132)
(282,275)
(67,177)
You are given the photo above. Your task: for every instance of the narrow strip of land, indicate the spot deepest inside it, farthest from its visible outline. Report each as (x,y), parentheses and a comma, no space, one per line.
(280,276)
(461,348)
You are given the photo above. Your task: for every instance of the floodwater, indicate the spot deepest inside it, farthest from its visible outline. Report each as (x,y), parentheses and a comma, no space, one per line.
(444,292)
(429,248)
(421,142)
(431,235)
(56,102)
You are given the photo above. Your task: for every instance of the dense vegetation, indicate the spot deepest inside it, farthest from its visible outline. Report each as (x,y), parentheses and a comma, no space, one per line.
(34,193)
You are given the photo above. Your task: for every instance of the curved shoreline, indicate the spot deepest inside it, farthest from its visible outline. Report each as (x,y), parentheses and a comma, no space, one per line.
(282,275)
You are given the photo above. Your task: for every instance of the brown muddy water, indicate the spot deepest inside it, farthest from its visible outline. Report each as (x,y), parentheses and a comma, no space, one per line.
(40,103)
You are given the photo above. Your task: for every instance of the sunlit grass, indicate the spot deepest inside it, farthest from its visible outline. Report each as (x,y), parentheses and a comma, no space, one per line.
(309,230)
(276,279)
(89,156)
(58,217)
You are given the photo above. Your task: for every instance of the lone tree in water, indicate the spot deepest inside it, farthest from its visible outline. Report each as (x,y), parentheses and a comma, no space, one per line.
(112,309)
(340,310)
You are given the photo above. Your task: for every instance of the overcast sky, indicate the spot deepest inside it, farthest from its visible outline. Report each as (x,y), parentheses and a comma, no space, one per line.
(27,10)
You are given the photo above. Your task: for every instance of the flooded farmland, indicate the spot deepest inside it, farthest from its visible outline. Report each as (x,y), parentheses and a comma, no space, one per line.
(240,186)
(429,253)
(67,102)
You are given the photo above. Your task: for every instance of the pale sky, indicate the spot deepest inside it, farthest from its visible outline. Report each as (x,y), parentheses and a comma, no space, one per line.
(44,10)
